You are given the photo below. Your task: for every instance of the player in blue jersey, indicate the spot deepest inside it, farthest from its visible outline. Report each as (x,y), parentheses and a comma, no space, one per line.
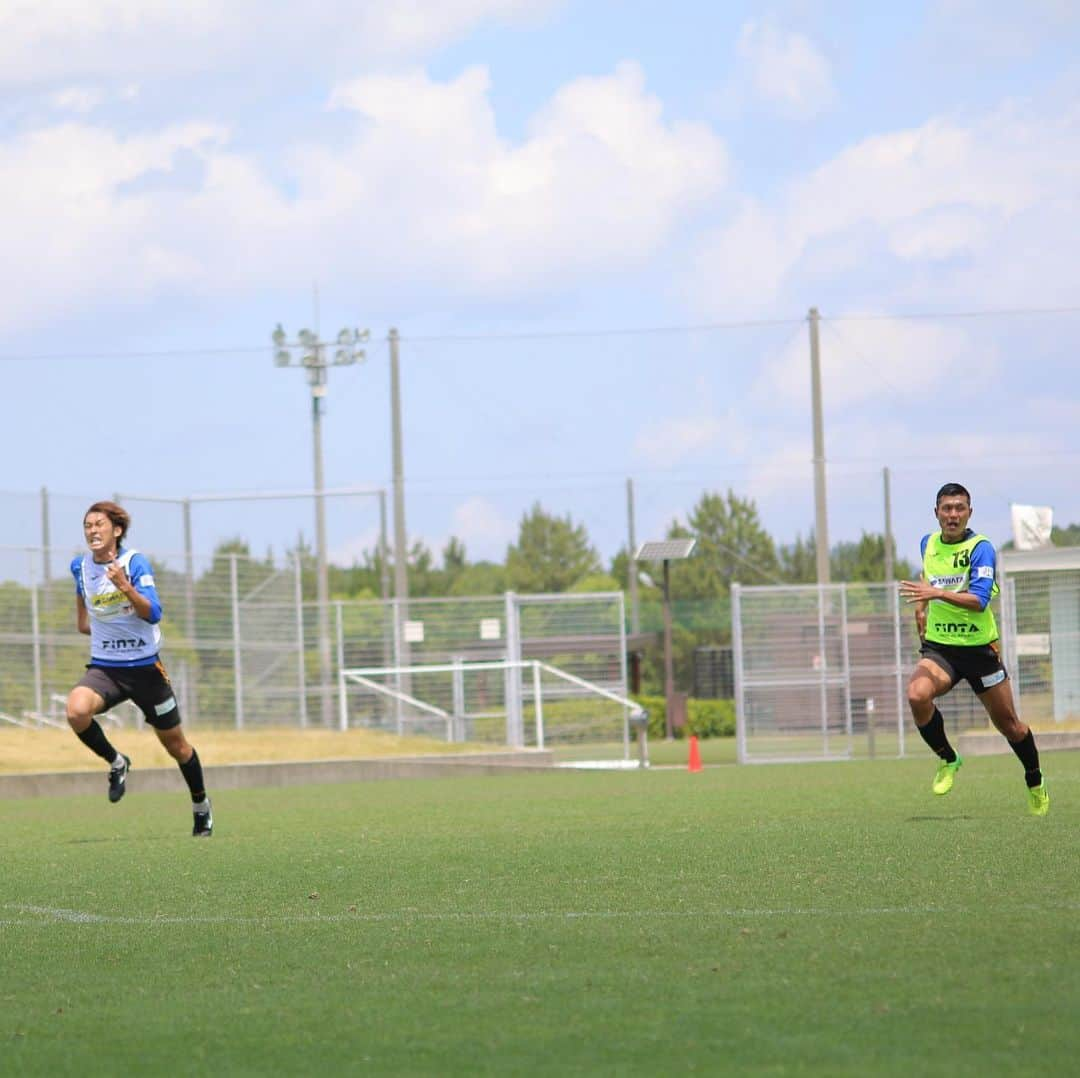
(117,606)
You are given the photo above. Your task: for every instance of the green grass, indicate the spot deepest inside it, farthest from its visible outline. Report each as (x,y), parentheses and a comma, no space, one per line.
(828,919)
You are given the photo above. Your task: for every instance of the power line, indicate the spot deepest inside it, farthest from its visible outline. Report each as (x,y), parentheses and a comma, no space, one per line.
(557,334)
(1004,312)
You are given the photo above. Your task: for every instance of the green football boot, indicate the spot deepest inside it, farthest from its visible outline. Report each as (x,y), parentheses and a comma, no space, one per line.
(946,773)
(1038,800)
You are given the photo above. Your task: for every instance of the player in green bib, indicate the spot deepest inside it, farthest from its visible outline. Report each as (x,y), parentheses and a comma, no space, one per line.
(960,642)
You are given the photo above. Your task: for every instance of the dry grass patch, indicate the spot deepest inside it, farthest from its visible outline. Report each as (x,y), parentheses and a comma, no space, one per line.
(59,750)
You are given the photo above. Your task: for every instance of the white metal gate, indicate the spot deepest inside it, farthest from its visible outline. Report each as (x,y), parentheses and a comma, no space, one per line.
(821,671)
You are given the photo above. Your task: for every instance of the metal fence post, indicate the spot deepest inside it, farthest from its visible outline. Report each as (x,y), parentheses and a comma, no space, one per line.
(343,712)
(823,667)
(238,675)
(625,687)
(846,651)
(398,630)
(901,703)
(738,672)
(538,705)
(512,678)
(35,628)
(298,591)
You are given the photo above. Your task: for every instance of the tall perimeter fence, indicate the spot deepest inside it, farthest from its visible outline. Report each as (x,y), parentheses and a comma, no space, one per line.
(243,648)
(821,672)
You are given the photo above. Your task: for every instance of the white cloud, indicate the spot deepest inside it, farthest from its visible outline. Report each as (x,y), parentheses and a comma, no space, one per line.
(784,68)
(425,192)
(887,362)
(80,99)
(48,40)
(666,442)
(957,213)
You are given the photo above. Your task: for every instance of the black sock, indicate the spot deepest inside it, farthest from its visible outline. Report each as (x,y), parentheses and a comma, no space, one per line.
(1028,755)
(933,733)
(192,772)
(93,737)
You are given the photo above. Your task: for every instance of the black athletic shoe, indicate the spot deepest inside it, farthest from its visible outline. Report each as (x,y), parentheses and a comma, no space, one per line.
(118,774)
(204,820)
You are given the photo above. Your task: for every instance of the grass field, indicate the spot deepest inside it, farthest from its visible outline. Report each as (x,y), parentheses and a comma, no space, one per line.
(830,919)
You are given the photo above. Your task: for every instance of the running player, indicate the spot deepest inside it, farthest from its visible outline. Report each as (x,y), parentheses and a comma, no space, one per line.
(959,642)
(117,606)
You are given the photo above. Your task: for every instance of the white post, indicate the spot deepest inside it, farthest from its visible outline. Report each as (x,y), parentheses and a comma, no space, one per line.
(398,684)
(457,692)
(238,676)
(901,702)
(538,704)
(35,624)
(624,688)
(298,592)
(512,680)
(343,711)
(844,643)
(737,670)
(824,667)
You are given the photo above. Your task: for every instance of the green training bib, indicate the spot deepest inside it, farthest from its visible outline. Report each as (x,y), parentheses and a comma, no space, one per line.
(948,566)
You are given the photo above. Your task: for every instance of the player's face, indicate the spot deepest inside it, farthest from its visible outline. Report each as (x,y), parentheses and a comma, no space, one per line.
(101,534)
(953,513)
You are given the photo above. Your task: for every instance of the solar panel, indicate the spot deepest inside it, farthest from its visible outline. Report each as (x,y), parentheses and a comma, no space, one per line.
(665,550)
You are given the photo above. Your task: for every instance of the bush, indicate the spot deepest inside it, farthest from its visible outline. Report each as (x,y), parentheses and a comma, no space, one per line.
(704,718)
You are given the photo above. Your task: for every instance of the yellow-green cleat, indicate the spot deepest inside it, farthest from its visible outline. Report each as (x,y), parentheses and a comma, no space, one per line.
(946,774)
(1038,800)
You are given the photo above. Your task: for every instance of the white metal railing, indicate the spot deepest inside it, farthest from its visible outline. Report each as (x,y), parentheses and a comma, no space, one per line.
(455,717)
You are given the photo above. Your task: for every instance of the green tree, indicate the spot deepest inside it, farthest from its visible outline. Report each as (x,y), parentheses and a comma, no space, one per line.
(864,561)
(798,560)
(551,554)
(732,545)
(853,562)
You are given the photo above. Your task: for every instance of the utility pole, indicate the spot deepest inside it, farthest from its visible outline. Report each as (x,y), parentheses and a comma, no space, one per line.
(310,353)
(401,575)
(632,569)
(890,552)
(821,524)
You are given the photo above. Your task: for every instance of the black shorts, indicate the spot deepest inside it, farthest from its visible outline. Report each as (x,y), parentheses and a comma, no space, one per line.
(148,687)
(980,666)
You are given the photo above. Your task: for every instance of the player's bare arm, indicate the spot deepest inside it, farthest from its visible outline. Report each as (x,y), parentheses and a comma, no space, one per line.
(82,618)
(920,591)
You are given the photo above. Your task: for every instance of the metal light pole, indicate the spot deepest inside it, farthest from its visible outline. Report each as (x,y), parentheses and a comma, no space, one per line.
(667,551)
(310,353)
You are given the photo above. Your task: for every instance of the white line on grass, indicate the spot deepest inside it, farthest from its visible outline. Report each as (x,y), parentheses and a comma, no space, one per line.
(50,915)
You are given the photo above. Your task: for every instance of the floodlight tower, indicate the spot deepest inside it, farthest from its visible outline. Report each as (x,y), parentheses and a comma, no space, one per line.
(309,352)
(667,551)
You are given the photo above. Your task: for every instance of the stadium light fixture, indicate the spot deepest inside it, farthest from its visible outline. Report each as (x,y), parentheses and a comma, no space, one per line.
(309,352)
(667,551)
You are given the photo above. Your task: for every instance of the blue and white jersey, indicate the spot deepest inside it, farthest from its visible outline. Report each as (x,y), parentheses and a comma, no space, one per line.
(118,636)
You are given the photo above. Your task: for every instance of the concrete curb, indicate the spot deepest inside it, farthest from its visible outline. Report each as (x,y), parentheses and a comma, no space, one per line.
(992,744)
(293,773)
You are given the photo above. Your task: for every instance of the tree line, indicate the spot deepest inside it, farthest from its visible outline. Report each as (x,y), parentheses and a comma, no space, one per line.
(554,553)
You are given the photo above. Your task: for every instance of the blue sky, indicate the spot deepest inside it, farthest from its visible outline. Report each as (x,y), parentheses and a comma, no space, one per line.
(501,179)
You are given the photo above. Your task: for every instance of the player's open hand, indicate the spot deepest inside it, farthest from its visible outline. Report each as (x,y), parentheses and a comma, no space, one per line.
(917,591)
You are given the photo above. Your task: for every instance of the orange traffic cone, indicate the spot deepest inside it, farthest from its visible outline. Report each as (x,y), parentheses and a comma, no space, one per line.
(695,755)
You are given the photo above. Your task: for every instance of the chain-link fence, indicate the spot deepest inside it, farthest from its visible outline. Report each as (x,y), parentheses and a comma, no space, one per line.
(1044,606)
(244,648)
(821,672)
